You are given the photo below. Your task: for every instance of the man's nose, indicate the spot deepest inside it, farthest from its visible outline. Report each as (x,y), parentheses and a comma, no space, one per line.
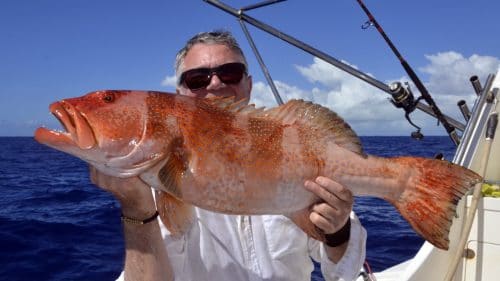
(215,83)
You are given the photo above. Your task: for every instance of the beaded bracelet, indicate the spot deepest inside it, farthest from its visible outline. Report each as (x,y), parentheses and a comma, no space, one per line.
(136,221)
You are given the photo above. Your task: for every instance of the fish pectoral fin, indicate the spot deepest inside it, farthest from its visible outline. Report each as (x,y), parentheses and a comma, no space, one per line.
(169,175)
(176,165)
(177,216)
(166,175)
(165,178)
(301,219)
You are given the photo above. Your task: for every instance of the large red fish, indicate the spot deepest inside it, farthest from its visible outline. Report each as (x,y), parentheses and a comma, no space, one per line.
(232,158)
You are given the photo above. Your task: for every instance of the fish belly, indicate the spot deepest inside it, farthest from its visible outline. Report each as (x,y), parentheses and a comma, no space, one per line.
(258,186)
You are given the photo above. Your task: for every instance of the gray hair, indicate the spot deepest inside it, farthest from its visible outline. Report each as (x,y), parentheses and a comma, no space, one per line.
(220,37)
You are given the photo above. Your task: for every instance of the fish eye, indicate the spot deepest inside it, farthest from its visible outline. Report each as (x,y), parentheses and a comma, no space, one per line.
(108,97)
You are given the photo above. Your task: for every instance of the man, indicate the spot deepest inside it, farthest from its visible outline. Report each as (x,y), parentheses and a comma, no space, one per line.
(233,247)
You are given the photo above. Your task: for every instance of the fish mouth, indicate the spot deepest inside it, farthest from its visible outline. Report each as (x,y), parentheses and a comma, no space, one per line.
(78,131)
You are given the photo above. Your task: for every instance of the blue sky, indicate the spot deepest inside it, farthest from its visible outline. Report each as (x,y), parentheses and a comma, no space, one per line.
(56,49)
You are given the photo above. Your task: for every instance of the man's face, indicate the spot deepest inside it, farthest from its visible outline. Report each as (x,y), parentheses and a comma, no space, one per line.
(210,56)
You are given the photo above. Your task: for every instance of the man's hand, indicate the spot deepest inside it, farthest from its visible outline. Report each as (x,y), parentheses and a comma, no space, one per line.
(331,214)
(134,195)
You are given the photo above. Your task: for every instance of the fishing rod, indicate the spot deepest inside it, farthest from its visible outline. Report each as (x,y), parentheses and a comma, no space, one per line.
(413,76)
(400,95)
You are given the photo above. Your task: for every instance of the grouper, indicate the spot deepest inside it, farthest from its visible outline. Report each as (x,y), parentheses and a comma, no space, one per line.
(226,156)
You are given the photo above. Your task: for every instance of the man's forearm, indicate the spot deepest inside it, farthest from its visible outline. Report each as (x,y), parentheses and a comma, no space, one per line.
(146,257)
(336,243)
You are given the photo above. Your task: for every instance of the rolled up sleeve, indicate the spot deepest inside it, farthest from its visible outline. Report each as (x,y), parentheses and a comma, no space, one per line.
(351,262)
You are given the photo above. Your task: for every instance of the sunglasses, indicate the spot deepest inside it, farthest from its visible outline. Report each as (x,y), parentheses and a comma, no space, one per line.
(199,78)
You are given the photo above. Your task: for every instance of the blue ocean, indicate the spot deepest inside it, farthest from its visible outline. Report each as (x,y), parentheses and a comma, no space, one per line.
(55,225)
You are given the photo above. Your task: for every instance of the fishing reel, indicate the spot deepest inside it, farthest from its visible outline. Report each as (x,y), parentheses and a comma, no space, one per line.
(402,97)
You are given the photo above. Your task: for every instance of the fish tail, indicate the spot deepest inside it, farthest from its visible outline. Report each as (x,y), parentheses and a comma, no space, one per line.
(429,199)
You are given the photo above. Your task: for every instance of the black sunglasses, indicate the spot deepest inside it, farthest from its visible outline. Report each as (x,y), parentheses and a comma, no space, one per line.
(199,78)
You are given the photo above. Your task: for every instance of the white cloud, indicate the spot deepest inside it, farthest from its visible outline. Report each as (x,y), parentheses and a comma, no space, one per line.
(169,81)
(368,110)
(449,74)
(451,66)
(263,96)
(347,95)
(357,102)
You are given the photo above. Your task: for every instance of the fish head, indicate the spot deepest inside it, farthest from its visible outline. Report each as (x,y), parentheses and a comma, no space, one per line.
(107,129)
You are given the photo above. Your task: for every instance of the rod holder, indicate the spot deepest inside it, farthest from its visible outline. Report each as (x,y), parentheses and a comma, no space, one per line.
(476,84)
(464,109)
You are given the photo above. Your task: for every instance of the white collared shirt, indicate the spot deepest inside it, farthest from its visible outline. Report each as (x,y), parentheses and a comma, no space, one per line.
(269,247)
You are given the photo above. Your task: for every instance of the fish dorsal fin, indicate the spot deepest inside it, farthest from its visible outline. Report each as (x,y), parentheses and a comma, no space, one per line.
(320,118)
(307,113)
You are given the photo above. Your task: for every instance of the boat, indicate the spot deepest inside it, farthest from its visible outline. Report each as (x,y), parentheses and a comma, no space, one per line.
(474,250)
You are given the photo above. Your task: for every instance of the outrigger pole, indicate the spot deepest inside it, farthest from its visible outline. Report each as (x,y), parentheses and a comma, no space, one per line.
(399,97)
(270,81)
